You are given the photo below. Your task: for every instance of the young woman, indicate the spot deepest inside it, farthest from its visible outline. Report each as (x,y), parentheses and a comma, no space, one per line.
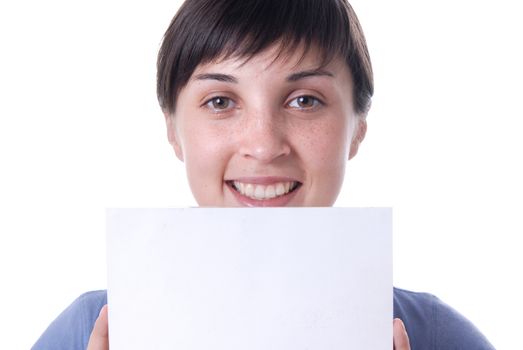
(265,101)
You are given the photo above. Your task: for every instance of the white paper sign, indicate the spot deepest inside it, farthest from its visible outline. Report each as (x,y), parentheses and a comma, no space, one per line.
(250,278)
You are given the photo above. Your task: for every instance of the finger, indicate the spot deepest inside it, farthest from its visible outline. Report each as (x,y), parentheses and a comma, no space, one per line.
(401,338)
(99,339)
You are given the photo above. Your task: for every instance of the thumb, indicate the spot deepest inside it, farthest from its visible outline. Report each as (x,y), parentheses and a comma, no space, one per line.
(99,339)
(401,338)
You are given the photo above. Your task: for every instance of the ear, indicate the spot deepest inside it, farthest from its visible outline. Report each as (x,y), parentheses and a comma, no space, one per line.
(358,136)
(172,135)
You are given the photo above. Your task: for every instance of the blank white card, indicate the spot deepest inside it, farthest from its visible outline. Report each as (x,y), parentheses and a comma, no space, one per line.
(250,278)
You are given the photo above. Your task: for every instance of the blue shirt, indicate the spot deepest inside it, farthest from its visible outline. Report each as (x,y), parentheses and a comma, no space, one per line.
(430,323)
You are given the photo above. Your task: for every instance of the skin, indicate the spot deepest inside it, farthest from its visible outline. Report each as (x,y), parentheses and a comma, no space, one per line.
(266,133)
(265,121)
(99,339)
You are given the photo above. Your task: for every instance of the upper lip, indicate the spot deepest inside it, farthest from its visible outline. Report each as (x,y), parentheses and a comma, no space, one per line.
(263,180)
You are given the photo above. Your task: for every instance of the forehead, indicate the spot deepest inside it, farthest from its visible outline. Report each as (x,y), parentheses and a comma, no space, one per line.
(274,59)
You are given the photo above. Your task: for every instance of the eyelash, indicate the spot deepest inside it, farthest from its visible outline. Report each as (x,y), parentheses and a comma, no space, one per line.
(317,103)
(210,103)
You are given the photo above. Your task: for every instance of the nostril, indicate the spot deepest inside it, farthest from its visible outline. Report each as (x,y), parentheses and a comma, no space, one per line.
(266,153)
(265,149)
(265,138)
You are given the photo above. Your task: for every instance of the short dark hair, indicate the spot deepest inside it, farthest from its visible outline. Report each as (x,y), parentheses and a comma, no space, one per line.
(204,30)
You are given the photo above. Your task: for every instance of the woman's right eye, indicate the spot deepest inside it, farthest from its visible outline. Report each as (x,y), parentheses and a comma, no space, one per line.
(219,104)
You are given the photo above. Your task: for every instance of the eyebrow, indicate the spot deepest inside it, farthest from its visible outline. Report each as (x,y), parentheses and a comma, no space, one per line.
(309,73)
(217,76)
(291,78)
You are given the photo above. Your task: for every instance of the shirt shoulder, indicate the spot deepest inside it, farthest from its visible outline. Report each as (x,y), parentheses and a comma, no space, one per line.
(72,328)
(432,324)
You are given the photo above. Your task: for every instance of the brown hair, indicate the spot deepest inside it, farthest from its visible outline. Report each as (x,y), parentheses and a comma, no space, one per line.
(204,30)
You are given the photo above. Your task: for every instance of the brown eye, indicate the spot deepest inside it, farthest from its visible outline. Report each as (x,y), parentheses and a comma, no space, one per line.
(305,102)
(219,103)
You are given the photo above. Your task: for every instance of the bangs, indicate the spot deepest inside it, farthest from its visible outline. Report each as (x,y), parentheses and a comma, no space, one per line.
(204,31)
(246,28)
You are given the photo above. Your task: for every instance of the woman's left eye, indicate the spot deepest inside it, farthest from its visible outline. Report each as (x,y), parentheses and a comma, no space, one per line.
(305,102)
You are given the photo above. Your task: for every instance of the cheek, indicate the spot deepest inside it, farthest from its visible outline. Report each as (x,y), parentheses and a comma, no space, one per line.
(325,156)
(327,143)
(206,153)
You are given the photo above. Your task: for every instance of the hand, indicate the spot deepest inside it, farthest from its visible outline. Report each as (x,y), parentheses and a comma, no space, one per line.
(401,338)
(99,339)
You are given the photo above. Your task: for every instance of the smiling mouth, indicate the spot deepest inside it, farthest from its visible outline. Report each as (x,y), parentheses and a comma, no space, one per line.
(264,192)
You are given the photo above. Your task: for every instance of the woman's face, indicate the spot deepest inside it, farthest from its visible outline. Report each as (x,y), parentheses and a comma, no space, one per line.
(267,131)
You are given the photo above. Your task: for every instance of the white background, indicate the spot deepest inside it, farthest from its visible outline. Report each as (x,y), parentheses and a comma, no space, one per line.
(80,130)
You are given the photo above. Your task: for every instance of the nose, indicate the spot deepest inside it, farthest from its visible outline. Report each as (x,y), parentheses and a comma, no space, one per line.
(264,137)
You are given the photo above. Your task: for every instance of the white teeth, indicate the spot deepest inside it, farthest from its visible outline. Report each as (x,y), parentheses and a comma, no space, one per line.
(263,192)
(280,189)
(249,190)
(259,193)
(270,192)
